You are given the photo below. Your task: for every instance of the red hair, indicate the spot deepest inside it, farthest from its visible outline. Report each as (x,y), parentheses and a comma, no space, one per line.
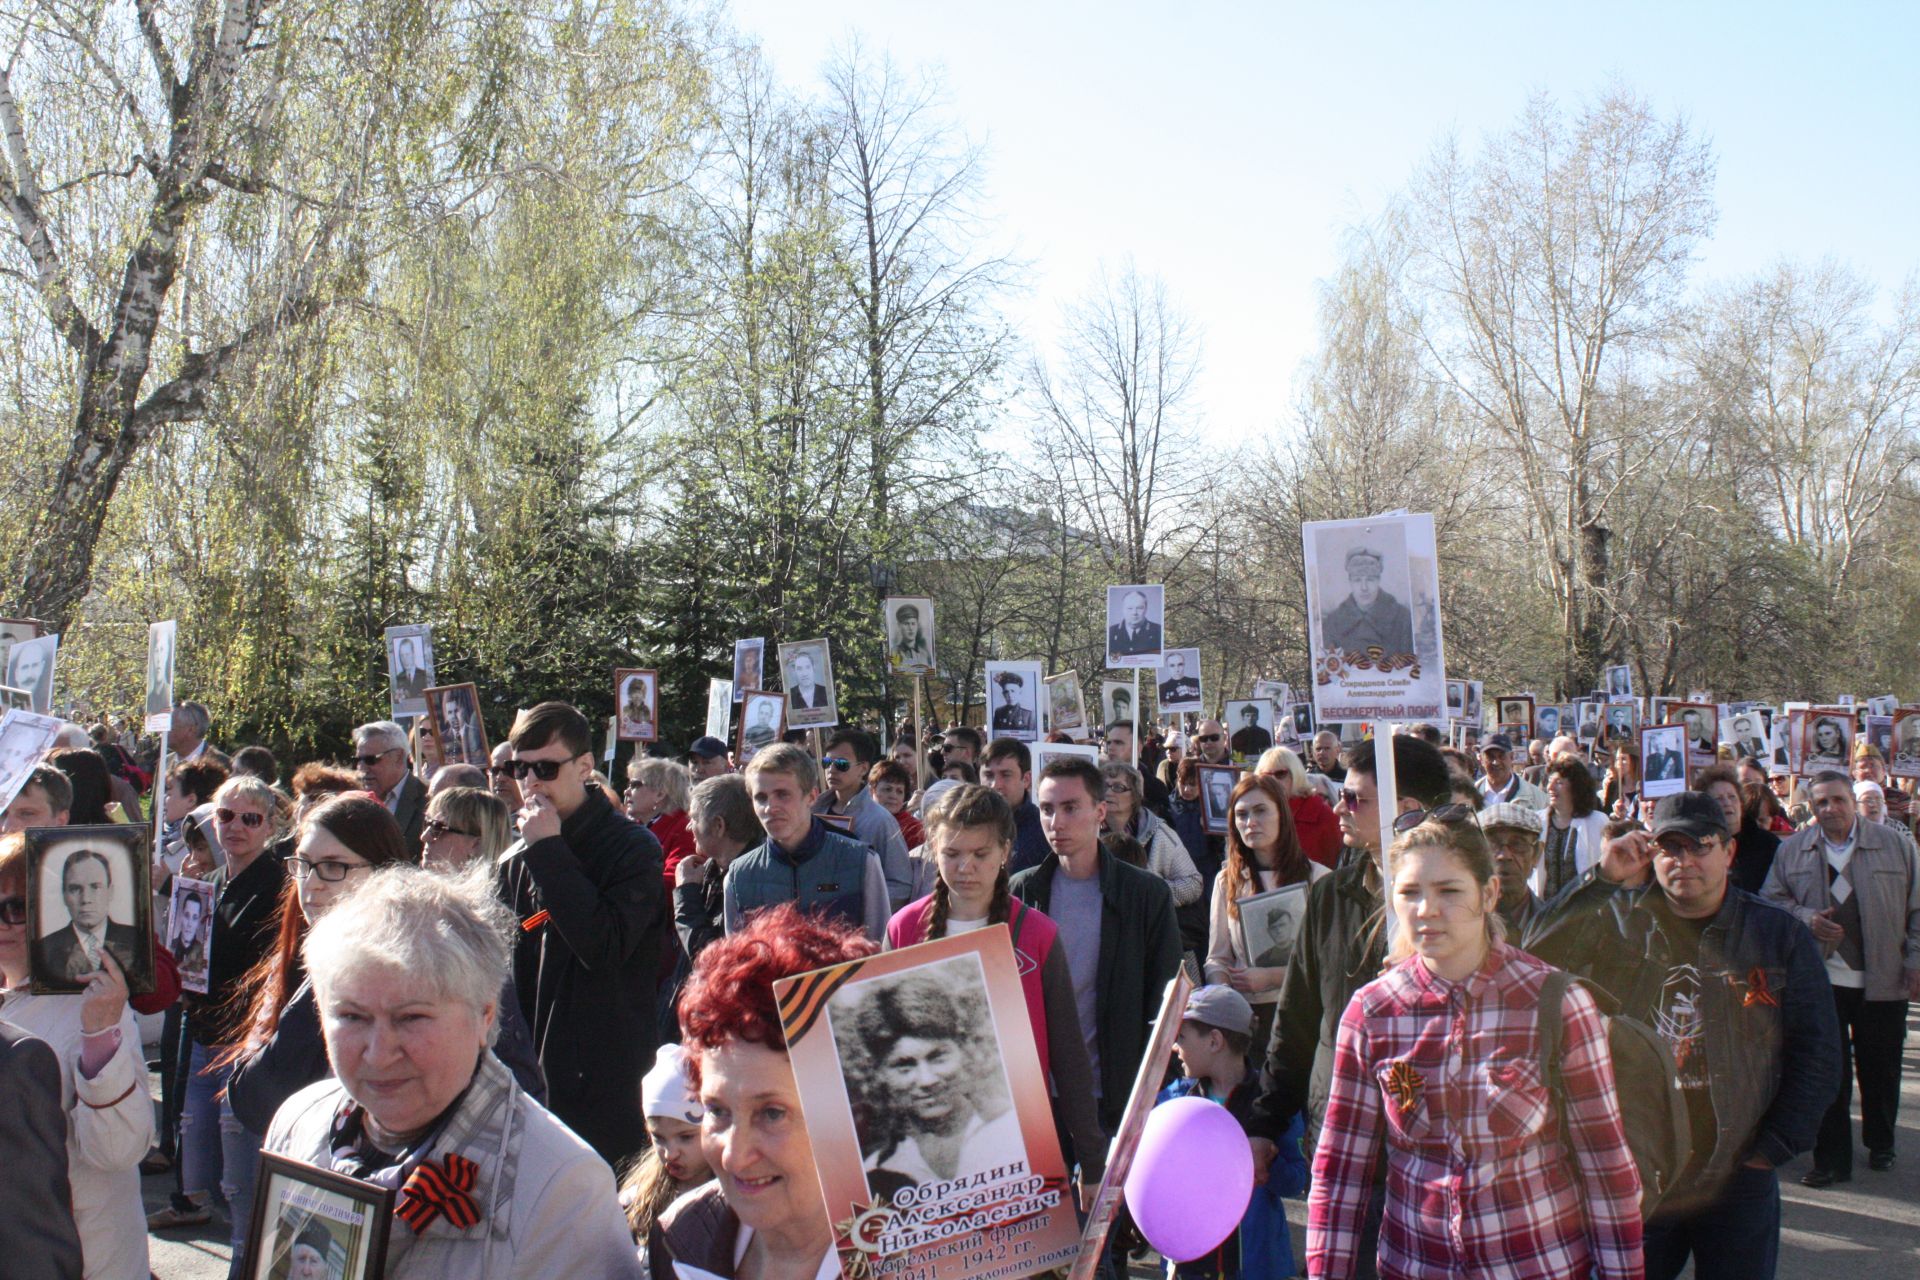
(1289,863)
(730,995)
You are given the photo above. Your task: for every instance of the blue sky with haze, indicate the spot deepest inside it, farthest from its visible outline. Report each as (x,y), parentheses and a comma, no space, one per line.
(1226,147)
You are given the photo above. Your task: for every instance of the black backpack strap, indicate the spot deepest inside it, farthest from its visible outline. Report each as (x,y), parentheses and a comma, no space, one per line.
(1019,923)
(1553,993)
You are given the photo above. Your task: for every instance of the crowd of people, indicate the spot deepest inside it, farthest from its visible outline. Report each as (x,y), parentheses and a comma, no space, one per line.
(1551,1029)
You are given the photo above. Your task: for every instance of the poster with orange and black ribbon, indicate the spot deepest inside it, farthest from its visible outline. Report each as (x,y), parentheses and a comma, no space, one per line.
(928,1112)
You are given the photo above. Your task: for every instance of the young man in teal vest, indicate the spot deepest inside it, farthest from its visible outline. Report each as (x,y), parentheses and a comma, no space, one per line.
(803,861)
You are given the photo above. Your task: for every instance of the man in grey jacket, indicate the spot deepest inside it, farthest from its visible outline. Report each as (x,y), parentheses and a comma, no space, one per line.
(1856,885)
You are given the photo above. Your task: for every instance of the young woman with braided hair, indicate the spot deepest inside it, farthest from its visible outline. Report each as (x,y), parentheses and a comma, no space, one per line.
(970,832)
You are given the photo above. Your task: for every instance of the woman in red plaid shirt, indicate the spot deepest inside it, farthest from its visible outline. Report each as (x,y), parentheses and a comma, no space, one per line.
(1487,1175)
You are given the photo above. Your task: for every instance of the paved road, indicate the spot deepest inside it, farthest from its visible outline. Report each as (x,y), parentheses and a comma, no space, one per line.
(1866,1230)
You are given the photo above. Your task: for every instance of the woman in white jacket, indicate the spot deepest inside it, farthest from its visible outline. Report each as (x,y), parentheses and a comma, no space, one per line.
(103,1088)
(1167,855)
(1576,827)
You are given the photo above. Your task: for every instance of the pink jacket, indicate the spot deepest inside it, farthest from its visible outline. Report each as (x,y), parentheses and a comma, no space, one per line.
(1033,937)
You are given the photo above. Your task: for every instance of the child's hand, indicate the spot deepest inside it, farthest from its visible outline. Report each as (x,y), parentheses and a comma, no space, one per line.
(1263,1153)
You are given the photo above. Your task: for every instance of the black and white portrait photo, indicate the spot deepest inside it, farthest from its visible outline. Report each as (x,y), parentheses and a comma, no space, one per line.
(1135,618)
(1217,782)
(1249,728)
(1456,699)
(1663,760)
(1619,682)
(409,669)
(1303,722)
(1360,606)
(160,639)
(30,666)
(1702,723)
(1515,709)
(1827,742)
(637,700)
(12,631)
(1587,720)
(314,1224)
(1116,701)
(87,893)
(806,673)
(1903,761)
(1621,722)
(749,666)
(1373,591)
(1066,708)
(1013,700)
(1278,692)
(1270,923)
(925,1078)
(12,698)
(1476,691)
(190,929)
(25,736)
(1883,705)
(760,722)
(1546,722)
(719,708)
(1878,733)
(1747,731)
(454,710)
(1179,681)
(909,622)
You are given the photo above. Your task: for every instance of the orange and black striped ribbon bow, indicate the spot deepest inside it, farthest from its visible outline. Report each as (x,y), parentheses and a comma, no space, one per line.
(1758,990)
(435,1189)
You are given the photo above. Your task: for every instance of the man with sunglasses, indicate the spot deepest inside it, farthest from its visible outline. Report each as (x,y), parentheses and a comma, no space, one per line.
(1210,742)
(1737,989)
(587,884)
(380,758)
(850,753)
(1340,948)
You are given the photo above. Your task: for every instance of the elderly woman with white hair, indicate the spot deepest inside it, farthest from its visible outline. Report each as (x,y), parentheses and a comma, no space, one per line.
(407,971)
(657,795)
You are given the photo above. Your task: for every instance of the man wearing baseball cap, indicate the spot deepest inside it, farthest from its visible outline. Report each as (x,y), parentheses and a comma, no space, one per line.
(1737,989)
(1513,831)
(707,757)
(1499,784)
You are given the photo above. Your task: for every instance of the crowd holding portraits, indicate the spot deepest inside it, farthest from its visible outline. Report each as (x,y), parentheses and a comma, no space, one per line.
(636,694)
(88,895)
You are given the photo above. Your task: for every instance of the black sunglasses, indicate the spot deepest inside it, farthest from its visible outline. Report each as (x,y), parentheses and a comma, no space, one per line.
(1210,737)
(244,819)
(545,770)
(367,762)
(435,827)
(13,910)
(839,764)
(501,770)
(1447,813)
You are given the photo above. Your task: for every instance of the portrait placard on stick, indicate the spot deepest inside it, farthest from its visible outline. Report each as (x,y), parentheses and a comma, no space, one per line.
(1702,723)
(1249,729)
(1116,701)
(1877,731)
(12,631)
(1066,711)
(460,736)
(760,722)
(1619,683)
(749,666)
(1825,739)
(1663,760)
(409,669)
(1902,762)
(190,929)
(1373,604)
(719,708)
(1013,693)
(30,666)
(1620,724)
(894,1055)
(908,621)
(1303,721)
(87,892)
(1515,710)
(806,673)
(636,693)
(1136,616)
(1179,682)
(1747,732)
(25,737)
(160,640)
(311,1221)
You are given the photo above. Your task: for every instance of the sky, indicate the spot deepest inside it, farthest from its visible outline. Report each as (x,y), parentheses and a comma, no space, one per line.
(1227,147)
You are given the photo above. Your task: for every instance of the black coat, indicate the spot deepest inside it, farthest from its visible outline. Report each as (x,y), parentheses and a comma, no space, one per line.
(246,920)
(37,1235)
(592,908)
(296,1056)
(410,811)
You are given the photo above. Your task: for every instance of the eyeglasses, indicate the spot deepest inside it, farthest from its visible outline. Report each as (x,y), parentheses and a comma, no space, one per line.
(248,820)
(1448,813)
(367,762)
(435,827)
(1350,798)
(1210,737)
(13,910)
(839,764)
(1115,789)
(545,770)
(501,770)
(333,872)
(1690,849)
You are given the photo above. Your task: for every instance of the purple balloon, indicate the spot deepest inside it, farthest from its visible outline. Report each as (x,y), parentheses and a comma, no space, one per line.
(1191,1178)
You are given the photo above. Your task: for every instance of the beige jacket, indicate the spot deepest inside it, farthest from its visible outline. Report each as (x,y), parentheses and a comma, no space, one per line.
(1886,875)
(547,1202)
(1227,941)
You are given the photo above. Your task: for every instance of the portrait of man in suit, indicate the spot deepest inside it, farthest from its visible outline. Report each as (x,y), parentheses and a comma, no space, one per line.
(1665,760)
(411,673)
(806,692)
(190,930)
(747,657)
(1132,629)
(70,954)
(461,739)
(1368,616)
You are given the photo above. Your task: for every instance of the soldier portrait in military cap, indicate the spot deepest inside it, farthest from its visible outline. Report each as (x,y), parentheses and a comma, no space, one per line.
(1367,615)
(1013,700)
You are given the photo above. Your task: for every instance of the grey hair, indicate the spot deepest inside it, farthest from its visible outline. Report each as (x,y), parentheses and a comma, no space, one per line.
(726,799)
(446,932)
(1120,771)
(196,716)
(670,778)
(385,731)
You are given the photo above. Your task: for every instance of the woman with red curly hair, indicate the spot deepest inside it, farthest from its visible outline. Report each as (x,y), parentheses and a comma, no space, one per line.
(762,1217)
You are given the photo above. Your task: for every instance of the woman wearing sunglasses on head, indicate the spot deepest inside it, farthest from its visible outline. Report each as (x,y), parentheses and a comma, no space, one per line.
(215,1150)
(280,1051)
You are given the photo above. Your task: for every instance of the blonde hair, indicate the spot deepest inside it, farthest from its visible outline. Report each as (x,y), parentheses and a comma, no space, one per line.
(1278,760)
(244,786)
(1468,844)
(673,780)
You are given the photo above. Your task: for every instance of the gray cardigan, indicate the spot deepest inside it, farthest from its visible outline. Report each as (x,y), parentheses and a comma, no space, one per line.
(1885,873)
